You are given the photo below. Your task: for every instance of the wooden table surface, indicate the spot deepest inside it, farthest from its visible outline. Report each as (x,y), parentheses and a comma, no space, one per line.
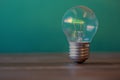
(99,66)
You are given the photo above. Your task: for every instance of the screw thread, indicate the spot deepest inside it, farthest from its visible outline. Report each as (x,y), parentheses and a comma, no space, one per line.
(79,52)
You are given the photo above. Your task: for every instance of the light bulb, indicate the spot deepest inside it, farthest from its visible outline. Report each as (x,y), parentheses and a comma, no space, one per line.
(79,25)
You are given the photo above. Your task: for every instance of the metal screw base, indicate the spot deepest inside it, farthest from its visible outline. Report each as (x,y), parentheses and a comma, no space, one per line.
(79,52)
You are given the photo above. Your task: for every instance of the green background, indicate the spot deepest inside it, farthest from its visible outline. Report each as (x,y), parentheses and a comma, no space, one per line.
(35,25)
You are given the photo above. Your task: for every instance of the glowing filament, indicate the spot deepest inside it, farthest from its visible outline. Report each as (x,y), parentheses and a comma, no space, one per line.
(74,21)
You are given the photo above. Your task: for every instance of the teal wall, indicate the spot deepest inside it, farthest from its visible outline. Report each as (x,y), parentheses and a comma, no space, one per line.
(35,25)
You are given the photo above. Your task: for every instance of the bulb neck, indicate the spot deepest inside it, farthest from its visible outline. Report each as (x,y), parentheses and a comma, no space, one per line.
(79,52)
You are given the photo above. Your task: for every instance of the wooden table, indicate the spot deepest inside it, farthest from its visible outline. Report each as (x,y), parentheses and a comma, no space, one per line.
(99,66)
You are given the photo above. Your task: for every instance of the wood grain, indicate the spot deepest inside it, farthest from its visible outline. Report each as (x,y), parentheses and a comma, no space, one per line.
(102,66)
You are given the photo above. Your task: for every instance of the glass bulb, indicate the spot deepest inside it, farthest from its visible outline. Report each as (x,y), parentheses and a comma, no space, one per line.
(79,25)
